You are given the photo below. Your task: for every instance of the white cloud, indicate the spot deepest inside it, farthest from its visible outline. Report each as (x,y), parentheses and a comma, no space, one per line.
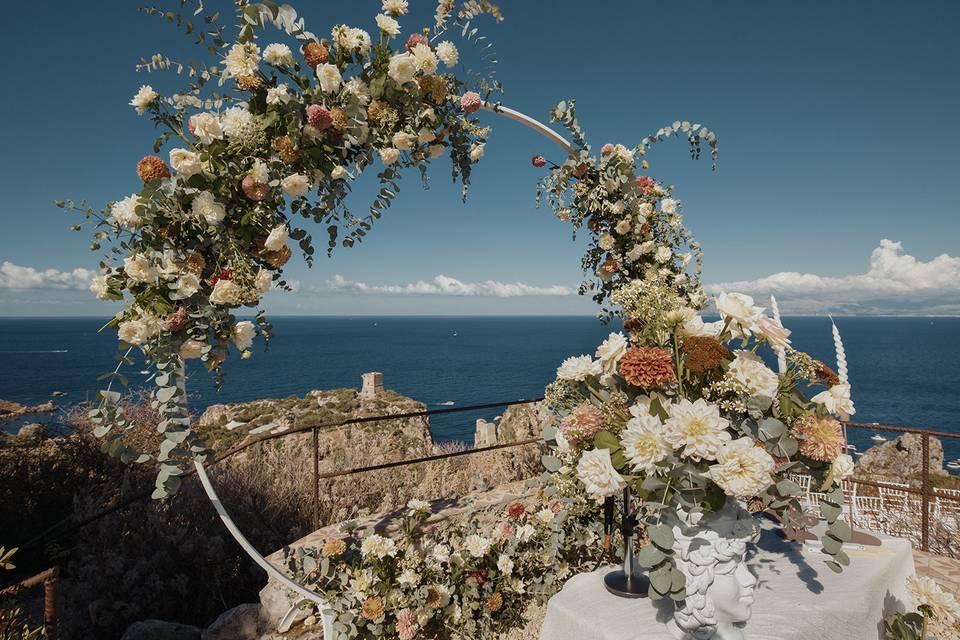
(13,276)
(446,286)
(895,283)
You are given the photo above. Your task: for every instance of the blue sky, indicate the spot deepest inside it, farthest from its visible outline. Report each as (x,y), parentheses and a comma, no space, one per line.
(837,132)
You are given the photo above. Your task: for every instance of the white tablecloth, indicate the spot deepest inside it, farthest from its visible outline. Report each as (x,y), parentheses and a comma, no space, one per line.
(797,597)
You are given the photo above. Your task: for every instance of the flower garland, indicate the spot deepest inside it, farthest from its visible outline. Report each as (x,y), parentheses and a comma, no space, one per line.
(210,231)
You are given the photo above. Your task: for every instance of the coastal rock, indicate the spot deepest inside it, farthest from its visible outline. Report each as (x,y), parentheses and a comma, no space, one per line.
(32,431)
(240,623)
(518,422)
(160,630)
(902,459)
(11,410)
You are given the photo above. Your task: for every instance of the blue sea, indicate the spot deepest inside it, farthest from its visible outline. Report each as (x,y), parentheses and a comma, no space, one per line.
(903,370)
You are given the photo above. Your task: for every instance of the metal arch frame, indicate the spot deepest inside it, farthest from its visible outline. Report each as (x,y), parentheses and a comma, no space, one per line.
(323,607)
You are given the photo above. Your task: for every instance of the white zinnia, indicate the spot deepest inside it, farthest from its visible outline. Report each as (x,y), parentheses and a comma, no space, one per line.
(395,7)
(329,77)
(185,162)
(425,58)
(378,546)
(124,212)
(739,310)
(279,94)
(402,68)
(749,370)
(205,206)
(578,368)
(243,333)
(403,140)
(389,155)
(277,239)
(241,60)
(144,98)
(643,443)
(742,469)
(697,428)
(277,54)
(836,400)
(235,120)
(597,474)
(227,293)
(476,545)
(448,54)
(295,185)
(187,284)
(140,268)
(206,126)
(388,25)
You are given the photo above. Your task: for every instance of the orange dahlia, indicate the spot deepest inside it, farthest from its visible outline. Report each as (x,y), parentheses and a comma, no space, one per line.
(333,547)
(152,168)
(372,608)
(647,367)
(703,354)
(249,82)
(278,258)
(315,54)
(494,602)
(820,438)
(287,149)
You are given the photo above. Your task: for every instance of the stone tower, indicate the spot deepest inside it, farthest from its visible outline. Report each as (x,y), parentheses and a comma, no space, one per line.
(372,385)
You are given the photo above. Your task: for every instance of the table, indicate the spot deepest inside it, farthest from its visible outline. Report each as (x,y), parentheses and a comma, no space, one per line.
(797,598)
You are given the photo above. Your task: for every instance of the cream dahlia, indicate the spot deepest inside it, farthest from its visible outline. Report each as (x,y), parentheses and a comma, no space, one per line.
(697,428)
(143,99)
(643,443)
(578,368)
(448,54)
(378,546)
(124,212)
(928,593)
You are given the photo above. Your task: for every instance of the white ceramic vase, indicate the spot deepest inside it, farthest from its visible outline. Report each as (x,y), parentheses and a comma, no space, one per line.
(710,550)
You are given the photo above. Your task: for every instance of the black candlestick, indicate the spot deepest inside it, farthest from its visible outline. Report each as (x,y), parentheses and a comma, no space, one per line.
(627,582)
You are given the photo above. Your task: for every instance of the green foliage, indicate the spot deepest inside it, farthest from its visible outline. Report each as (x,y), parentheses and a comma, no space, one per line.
(904,626)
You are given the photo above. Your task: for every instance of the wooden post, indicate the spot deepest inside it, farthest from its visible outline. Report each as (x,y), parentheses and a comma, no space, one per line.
(51,596)
(925,500)
(316,479)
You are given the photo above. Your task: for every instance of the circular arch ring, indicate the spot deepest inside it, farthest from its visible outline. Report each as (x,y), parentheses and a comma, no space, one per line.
(326,613)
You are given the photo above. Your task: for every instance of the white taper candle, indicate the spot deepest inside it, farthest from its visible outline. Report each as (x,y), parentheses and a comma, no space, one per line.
(841,355)
(781,352)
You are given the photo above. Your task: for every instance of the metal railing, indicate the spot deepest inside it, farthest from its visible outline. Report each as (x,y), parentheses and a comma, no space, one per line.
(50,581)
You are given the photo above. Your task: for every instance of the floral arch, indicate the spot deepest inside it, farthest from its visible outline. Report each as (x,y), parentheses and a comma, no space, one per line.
(666,409)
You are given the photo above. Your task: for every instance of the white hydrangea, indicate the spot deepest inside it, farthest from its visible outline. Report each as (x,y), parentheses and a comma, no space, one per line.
(329,77)
(278,54)
(697,428)
(295,185)
(235,120)
(205,206)
(241,60)
(579,368)
(643,444)
(448,54)
(742,469)
(388,25)
(124,212)
(425,58)
(402,68)
(143,99)
(243,333)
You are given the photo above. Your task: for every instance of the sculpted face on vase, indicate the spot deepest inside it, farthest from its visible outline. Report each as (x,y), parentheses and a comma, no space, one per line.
(732,595)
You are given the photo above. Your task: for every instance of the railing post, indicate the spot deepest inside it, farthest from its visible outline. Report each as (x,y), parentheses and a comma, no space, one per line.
(925,501)
(51,597)
(316,479)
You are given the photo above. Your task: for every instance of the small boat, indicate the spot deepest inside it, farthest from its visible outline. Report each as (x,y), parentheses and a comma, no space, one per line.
(454,334)
(878,438)
(851,447)
(953,465)
(448,403)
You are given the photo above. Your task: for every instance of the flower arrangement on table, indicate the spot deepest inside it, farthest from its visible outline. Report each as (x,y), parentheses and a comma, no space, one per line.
(936,608)
(210,232)
(684,412)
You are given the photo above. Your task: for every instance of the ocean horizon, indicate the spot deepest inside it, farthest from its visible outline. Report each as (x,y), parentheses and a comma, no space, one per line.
(900,367)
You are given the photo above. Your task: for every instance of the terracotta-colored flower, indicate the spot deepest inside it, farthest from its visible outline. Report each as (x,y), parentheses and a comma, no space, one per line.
(152,168)
(407,625)
(278,258)
(254,190)
(609,267)
(435,596)
(339,119)
(647,367)
(434,87)
(646,184)
(580,171)
(825,374)
(480,575)
(372,608)
(375,110)
(333,547)
(704,354)
(582,423)
(287,149)
(494,602)
(414,40)
(249,82)
(820,438)
(539,161)
(516,510)
(176,320)
(470,101)
(318,117)
(315,54)
(607,148)
(504,531)
(194,264)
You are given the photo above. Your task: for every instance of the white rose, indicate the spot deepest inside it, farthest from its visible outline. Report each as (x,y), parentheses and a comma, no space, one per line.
(663,254)
(424,58)
(100,288)
(635,253)
(140,268)
(295,185)
(645,209)
(579,368)
(448,54)
(403,140)
(840,469)
(606,242)
(426,135)
(338,172)
(277,239)
(388,25)
(277,54)
(243,333)
(749,370)
(623,227)
(436,150)
(184,162)
(742,469)
(836,400)
(402,68)
(668,206)
(191,349)
(124,212)
(205,206)
(476,152)
(428,114)
(226,293)
(610,351)
(206,126)
(143,99)
(740,311)
(134,332)
(264,281)
(389,155)
(596,472)
(279,94)
(329,77)
(187,284)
